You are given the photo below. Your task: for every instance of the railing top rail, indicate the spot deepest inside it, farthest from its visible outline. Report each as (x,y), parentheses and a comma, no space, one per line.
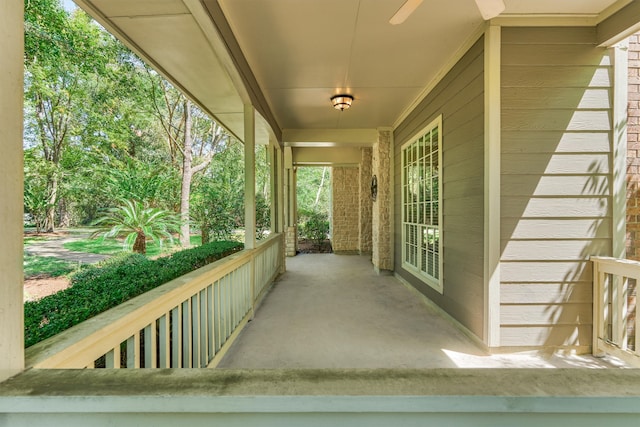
(621,267)
(612,260)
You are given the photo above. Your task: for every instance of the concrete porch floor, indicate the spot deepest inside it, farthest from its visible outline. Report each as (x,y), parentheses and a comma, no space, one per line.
(334,311)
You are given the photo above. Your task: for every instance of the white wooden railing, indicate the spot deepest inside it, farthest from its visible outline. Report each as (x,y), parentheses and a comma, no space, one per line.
(189,322)
(616,326)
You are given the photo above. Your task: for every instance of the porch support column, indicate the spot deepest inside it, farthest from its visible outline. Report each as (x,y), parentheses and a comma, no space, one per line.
(279,157)
(382,248)
(11,188)
(273,178)
(492,157)
(249,177)
(280,210)
(291,220)
(620,118)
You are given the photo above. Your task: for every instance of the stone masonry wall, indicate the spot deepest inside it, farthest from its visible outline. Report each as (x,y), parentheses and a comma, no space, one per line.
(365,202)
(346,209)
(633,151)
(381,164)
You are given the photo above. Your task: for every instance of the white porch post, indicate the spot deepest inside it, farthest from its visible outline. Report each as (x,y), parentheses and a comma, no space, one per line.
(11,187)
(279,155)
(273,205)
(620,98)
(492,147)
(249,177)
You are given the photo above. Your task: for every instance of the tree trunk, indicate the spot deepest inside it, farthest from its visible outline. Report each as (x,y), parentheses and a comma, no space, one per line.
(204,233)
(187,174)
(140,245)
(50,217)
(64,216)
(315,204)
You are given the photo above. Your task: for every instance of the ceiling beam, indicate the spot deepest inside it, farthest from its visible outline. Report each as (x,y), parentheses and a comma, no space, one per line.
(330,137)
(335,156)
(620,25)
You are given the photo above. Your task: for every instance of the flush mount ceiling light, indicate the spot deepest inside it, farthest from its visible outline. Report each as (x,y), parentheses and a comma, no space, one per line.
(342,102)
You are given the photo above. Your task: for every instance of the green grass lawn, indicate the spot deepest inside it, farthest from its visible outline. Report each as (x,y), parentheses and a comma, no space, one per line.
(110,247)
(28,240)
(35,265)
(47,266)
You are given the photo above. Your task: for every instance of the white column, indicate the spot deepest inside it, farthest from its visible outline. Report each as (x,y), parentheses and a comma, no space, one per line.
(620,98)
(280,188)
(249,177)
(619,54)
(492,144)
(11,188)
(273,181)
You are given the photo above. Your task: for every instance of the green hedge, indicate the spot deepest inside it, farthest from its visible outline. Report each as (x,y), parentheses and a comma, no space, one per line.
(99,287)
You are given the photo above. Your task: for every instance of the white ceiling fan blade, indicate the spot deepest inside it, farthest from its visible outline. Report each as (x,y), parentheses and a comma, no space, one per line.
(405,10)
(489,9)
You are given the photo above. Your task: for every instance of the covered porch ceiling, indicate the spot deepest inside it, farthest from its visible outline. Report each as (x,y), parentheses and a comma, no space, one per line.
(287,58)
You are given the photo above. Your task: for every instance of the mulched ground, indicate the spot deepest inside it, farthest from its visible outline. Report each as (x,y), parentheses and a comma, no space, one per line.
(311,247)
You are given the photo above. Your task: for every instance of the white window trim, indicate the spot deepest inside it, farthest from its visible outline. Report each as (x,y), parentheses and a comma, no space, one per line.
(428,280)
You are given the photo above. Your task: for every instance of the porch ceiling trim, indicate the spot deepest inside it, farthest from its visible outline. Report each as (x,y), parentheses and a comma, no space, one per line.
(114,29)
(217,34)
(242,67)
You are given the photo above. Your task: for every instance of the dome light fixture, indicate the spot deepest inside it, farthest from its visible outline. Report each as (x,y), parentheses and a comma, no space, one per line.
(342,102)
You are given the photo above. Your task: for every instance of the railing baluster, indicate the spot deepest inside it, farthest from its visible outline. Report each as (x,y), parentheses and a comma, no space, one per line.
(164,350)
(131,353)
(195,331)
(211,344)
(147,347)
(203,328)
(176,338)
(186,334)
(617,314)
(108,360)
(227,309)
(136,350)
(218,317)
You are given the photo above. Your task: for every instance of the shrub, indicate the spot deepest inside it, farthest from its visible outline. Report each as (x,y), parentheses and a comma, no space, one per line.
(314,226)
(99,287)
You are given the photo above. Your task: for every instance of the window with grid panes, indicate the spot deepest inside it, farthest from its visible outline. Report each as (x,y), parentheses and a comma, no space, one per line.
(421,207)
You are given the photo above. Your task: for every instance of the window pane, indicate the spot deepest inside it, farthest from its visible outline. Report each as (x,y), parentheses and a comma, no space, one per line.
(420,195)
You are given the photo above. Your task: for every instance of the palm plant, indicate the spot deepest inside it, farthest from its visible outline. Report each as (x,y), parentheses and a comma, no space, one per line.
(138,223)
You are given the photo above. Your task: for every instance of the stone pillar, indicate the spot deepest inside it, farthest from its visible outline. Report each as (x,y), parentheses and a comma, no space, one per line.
(366,203)
(11,188)
(382,251)
(345,235)
(291,205)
